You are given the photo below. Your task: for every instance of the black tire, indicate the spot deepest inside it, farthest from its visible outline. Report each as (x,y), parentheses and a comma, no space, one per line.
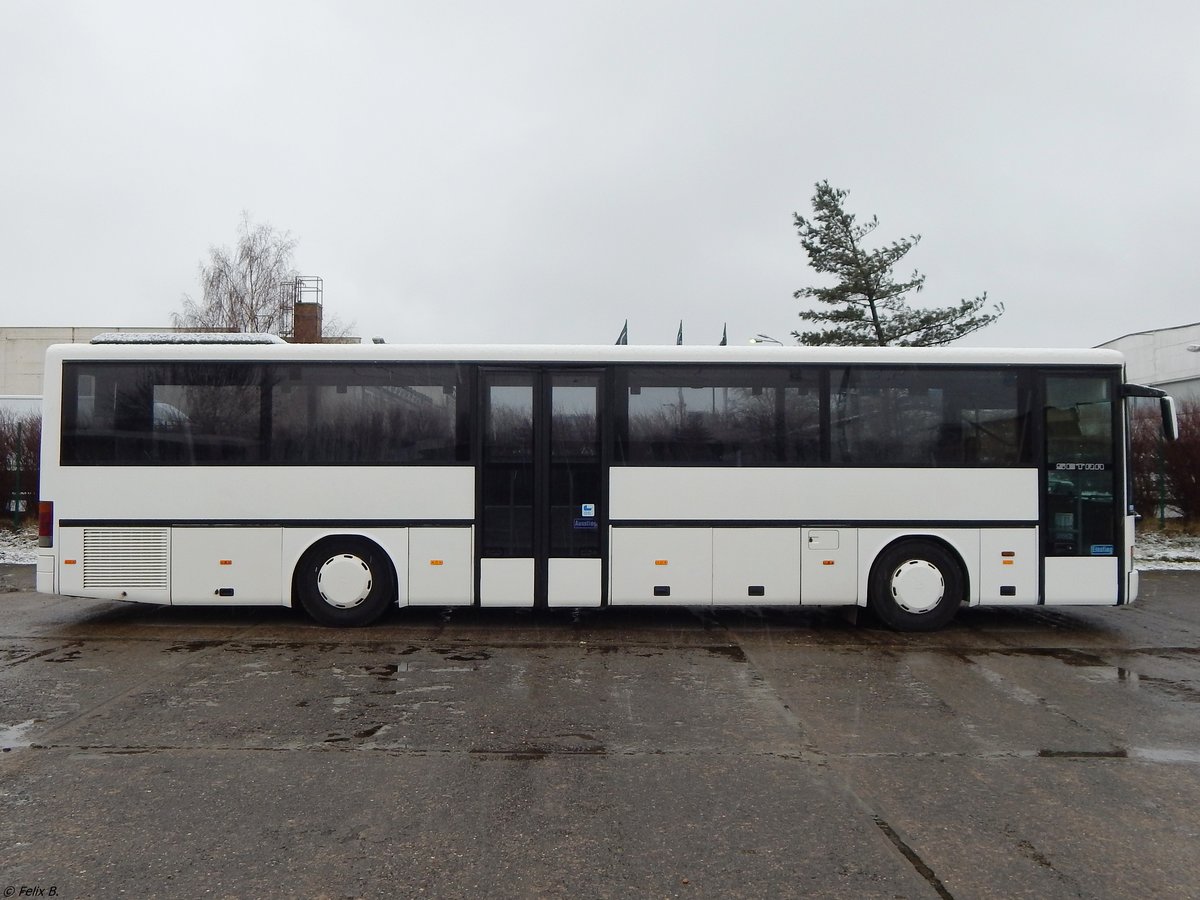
(916,586)
(345,582)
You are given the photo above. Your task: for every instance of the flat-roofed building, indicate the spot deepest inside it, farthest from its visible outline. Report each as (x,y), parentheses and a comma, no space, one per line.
(1167,358)
(23,357)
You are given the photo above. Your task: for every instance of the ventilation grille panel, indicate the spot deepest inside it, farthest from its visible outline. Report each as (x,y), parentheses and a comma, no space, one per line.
(126,558)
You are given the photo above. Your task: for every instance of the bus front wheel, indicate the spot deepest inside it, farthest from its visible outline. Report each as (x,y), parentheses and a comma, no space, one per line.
(916,586)
(344,582)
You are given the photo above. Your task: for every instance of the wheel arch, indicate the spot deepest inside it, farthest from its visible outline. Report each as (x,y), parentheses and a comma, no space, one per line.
(958,544)
(329,539)
(299,542)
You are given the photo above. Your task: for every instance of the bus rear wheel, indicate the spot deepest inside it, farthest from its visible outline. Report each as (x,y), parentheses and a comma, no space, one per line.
(345,582)
(916,586)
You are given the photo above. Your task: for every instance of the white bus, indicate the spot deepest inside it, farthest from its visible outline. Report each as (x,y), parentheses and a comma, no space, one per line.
(350,479)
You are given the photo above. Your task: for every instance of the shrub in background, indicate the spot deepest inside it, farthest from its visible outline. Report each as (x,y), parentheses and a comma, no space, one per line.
(1145,431)
(20,449)
(1181,460)
(1166,471)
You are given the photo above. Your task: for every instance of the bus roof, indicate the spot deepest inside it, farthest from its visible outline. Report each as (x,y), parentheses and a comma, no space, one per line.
(587,354)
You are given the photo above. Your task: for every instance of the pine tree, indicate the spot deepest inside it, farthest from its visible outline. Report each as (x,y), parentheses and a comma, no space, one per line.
(869,305)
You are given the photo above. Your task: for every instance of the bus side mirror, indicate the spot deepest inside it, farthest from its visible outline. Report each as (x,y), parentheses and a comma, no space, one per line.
(1166,406)
(1170,421)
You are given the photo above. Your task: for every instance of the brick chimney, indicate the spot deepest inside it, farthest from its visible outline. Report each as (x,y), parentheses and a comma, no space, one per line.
(307,323)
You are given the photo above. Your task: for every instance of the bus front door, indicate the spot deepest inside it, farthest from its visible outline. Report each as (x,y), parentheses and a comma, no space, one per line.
(1082,517)
(540,510)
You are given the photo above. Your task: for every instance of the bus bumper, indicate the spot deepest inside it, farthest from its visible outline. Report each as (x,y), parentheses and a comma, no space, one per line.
(45,573)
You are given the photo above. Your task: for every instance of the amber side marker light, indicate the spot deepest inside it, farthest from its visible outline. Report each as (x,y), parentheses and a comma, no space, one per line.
(46,523)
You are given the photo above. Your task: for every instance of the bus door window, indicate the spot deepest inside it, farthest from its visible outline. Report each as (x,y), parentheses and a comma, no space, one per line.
(508,485)
(574,465)
(1080,463)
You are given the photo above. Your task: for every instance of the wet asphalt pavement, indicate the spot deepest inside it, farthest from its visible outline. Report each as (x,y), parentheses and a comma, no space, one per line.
(610,753)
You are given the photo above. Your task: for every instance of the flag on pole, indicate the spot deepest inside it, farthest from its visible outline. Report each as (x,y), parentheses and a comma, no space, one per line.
(623,337)
(679,336)
(724,335)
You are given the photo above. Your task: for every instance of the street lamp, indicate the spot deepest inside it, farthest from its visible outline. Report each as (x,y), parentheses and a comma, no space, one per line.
(767,339)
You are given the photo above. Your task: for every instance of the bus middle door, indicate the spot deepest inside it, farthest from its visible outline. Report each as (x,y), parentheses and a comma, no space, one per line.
(540,509)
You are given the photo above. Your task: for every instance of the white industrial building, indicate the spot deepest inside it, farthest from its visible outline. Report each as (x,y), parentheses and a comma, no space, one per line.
(23,349)
(1167,358)
(23,356)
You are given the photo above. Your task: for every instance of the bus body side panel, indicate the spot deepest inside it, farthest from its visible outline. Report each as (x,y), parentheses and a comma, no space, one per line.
(440,567)
(1008,566)
(506,582)
(574,582)
(1082,580)
(829,567)
(696,565)
(226,566)
(756,566)
(661,567)
(817,495)
(270,495)
(278,520)
(839,519)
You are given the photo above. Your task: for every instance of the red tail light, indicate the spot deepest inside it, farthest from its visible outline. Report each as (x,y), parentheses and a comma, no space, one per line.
(46,523)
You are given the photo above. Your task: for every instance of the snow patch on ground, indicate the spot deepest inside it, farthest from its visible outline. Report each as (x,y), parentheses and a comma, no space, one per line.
(18,548)
(1158,550)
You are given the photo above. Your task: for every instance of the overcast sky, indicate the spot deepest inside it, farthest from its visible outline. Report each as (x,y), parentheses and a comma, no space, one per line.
(539,172)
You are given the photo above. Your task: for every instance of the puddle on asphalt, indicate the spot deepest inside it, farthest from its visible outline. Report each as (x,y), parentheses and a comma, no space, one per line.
(385,672)
(729,651)
(538,749)
(1088,666)
(14,737)
(1157,754)
(1084,754)
(197,646)
(1145,754)
(465,655)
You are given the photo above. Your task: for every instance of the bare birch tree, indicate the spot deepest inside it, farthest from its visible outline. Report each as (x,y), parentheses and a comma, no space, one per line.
(242,286)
